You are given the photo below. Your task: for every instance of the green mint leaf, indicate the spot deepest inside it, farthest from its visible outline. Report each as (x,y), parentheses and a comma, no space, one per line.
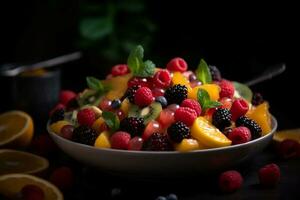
(203,97)
(135,59)
(213,104)
(111,120)
(243,90)
(203,73)
(94,83)
(148,69)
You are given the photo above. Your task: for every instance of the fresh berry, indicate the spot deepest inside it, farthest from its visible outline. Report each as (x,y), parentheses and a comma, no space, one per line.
(130,93)
(251,125)
(62,177)
(215,73)
(239,108)
(85,135)
(141,82)
(116,103)
(162,79)
(226,103)
(227,88)
(86,117)
(193,104)
(185,115)
(72,104)
(120,113)
(176,94)
(230,181)
(105,105)
(239,135)
(120,140)
(133,125)
(158,142)
(166,118)
(192,77)
(136,144)
(178,131)
(257,99)
(57,115)
(143,97)
(162,100)
(158,92)
(119,70)
(152,127)
(177,64)
(44,145)
(288,149)
(67,131)
(269,175)
(32,192)
(65,96)
(221,118)
(172,197)
(57,107)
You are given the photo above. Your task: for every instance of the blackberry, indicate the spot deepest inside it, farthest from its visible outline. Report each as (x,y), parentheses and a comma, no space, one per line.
(85,135)
(254,128)
(221,118)
(257,99)
(133,125)
(131,92)
(162,100)
(176,94)
(178,131)
(215,73)
(57,115)
(158,142)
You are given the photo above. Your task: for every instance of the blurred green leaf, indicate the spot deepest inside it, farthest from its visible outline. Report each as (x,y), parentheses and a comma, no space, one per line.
(95,28)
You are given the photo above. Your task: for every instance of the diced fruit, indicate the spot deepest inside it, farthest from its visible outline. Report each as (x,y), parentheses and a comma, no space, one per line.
(208,134)
(143,97)
(185,115)
(212,89)
(67,131)
(292,134)
(166,118)
(118,86)
(135,144)
(158,92)
(125,106)
(226,103)
(173,107)
(120,140)
(148,113)
(98,125)
(188,145)
(162,79)
(57,126)
(177,64)
(152,127)
(119,70)
(261,115)
(179,78)
(239,108)
(102,140)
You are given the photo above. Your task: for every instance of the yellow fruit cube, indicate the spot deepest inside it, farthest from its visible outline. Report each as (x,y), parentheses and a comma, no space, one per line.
(98,123)
(102,140)
(212,89)
(188,145)
(57,126)
(178,78)
(118,86)
(125,105)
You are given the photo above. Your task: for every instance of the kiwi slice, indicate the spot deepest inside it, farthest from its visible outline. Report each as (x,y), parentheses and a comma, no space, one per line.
(148,113)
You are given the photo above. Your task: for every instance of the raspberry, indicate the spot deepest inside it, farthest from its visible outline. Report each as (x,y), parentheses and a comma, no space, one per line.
(133,125)
(62,177)
(177,64)
(120,140)
(158,142)
(119,70)
(288,149)
(227,89)
(86,117)
(130,93)
(65,96)
(269,175)
(221,118)
(215,73)
(257,99)
(251,125)
(178,131)
(185,115)
(85,135)
(240,135)
(193,104)
(162,79)
(239,108)
(143,97)
(32,192)
(141,82)
(230,181)
(57,115)
(57,107)
(176,94)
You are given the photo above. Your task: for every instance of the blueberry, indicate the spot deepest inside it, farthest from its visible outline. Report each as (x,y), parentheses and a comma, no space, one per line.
(172,197)
(161,198)
(116,103)
(162,100)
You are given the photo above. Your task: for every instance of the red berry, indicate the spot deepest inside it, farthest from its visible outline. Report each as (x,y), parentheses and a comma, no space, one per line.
(86,116)
(57,107)
(240,135)
(142,82)
(193,104)
(67,131)
(143,97)
(239,108)
(152,127)
(62,177)
(119,70)
(227,89)
(288,149)
(32,192)
(185,115)
(269,175)
(230,181)
(177,64)
(120,140)
(105,105)
(120,114)
(135,144)
(157,92)
(162,79)
(65,96)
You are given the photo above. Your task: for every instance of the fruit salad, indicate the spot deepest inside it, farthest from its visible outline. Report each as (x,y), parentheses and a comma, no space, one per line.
(142,107)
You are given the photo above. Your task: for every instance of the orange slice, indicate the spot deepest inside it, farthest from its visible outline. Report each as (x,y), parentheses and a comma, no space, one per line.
(16,129)
(293,134)
(13,161)
(11,185)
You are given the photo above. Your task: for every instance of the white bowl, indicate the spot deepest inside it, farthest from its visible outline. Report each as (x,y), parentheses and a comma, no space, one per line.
(163,164)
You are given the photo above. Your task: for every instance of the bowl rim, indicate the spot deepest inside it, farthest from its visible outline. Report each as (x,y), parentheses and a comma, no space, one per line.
(231,147)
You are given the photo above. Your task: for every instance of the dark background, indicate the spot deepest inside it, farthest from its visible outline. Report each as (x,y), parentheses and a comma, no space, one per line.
(241,39)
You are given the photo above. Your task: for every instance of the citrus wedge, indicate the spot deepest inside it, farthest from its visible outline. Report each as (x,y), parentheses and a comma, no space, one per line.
(11,185)
(208,135)
(16,129)
(293,134)
(12,161)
